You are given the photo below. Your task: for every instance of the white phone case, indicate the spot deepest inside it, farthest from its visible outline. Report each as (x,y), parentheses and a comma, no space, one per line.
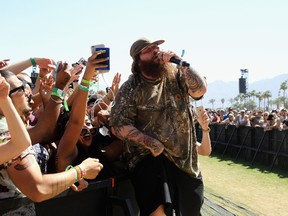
(199,110)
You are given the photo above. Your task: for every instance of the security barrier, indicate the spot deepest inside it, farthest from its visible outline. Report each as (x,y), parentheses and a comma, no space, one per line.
(269,148)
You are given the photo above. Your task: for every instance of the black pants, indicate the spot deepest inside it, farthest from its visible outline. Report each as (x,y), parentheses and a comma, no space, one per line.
(158,181)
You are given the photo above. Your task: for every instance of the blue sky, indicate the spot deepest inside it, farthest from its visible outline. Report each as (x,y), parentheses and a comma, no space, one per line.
(219,37)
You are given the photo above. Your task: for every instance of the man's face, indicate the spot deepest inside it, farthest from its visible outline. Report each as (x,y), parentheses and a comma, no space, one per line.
(20,96)
(149,63)
(149,54)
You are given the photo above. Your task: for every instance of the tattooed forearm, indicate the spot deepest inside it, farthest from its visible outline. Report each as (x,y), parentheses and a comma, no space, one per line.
(195,82)
(117,132)
(129,132)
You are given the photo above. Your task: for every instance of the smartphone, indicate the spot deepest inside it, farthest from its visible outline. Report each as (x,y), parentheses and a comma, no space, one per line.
(105,54)
(82,61)
(93,48)
(199,110)
(97,47)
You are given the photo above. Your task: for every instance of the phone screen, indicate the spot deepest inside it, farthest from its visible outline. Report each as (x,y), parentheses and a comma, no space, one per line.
(104,55)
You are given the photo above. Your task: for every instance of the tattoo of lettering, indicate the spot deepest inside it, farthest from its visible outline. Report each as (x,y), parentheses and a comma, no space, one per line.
(59,185)
(194,80)
(25,163)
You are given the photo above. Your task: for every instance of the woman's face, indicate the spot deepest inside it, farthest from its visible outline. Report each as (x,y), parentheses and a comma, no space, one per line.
(87,133)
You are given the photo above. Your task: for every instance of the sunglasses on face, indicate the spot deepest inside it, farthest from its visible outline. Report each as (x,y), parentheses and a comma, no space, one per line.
(86,131)
(21,89)
(18,89)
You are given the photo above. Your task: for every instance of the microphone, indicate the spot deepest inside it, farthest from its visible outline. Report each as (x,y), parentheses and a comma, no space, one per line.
(179,62)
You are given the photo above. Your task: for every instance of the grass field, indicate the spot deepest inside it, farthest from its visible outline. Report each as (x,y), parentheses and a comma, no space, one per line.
(254,188)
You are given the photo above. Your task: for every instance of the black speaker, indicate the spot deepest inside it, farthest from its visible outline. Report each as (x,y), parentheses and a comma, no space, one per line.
(242,85)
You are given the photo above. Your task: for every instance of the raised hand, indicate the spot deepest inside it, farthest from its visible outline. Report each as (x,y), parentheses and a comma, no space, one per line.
(165,56)
(63,75)
(4,88)
(93,64)
(116,82)
(4,63)
(155,146)
(46,63)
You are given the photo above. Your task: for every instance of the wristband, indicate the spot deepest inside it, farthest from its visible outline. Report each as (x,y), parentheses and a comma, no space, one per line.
(66,105)
(80,173)
(58,93)
(86,81)
(33,62)
(71,167)
(83,88)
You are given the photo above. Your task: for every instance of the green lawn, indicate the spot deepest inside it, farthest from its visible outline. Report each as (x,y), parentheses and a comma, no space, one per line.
(254,188)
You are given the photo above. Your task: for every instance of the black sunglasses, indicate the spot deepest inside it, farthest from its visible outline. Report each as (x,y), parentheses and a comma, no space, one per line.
(85,131)
(22,87)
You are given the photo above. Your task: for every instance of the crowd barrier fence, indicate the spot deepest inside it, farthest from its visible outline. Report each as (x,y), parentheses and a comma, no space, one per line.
(253,144)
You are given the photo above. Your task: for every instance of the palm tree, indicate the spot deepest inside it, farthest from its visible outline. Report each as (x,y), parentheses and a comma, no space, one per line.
(259,95)
(283,87)
(253,94)
(266,95)
(222,101)
(212,101)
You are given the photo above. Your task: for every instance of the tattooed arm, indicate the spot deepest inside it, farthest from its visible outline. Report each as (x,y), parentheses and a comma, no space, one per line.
(131,133)
(195,82)
(26,175)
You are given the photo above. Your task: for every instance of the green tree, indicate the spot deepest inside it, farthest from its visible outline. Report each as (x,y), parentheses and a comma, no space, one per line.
(212,101)
(283,87)
(253,94)
(267,95)
(259,95)
(222,101)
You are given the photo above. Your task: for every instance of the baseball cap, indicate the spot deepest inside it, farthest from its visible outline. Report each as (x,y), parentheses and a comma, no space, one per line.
(141,44)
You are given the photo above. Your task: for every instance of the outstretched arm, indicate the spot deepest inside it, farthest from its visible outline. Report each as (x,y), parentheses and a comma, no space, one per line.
(129,132)
(67,150)
(20,139)
(27,176)
(44,130)
(23,65)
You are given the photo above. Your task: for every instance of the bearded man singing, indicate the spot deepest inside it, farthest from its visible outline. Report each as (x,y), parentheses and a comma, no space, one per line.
(153,116)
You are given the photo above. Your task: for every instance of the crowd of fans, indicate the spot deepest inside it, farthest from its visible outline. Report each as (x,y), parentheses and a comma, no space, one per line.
(268,120)
(69,138)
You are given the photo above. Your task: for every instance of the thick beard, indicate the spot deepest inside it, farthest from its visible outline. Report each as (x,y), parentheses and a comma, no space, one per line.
(152,69)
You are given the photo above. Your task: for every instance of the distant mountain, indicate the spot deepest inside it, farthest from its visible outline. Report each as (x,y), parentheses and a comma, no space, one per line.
(227,90)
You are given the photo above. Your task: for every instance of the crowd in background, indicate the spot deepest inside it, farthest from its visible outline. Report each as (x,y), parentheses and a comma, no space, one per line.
(268,120)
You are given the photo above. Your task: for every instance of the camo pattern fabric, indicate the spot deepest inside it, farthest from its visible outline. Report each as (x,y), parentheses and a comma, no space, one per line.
(160,109)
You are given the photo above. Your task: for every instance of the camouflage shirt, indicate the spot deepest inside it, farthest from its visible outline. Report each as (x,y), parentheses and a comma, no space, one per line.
(160,109)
